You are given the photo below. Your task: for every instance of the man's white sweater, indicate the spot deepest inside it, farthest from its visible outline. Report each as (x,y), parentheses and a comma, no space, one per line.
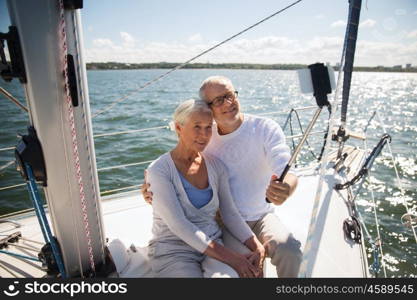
(251,153)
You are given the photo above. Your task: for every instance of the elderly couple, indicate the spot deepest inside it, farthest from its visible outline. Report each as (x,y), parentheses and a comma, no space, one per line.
(229,167)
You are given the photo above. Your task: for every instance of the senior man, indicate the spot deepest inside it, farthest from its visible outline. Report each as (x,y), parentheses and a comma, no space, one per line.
(255,154)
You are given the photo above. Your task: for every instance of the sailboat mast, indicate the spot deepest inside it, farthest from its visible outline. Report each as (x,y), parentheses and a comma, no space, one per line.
(349,56)
(351,37)
(59,109)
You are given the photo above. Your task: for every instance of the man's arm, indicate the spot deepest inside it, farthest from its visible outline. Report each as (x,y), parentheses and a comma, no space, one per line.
(278,155)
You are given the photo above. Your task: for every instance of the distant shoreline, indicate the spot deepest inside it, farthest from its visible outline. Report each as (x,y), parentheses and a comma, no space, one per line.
(232,66)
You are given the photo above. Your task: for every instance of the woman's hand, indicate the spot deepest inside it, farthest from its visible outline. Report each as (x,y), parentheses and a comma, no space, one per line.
(237,261)
(144,188)
(257,256)
(244,267)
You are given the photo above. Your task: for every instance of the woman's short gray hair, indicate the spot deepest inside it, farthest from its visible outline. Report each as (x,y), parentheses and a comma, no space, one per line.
(211,81)
(186,108)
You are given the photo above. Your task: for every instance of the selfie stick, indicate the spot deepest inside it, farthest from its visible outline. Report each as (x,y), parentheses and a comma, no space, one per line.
(321,86)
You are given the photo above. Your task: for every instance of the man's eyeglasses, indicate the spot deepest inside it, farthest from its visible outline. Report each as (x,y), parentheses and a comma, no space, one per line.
(218,101)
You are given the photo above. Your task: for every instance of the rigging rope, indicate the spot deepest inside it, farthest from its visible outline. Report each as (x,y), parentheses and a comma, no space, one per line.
(379,240)
(374,202)
(302,132)
(20,255)
(43,221)
(126,165)
(123,188)
(91,163)
(12,186)
(363,172)
(7,165)
(131,131)
(13,99)
(397,174)
(7,148)
(72,127)
(376,244)
(110,106)
(329,109)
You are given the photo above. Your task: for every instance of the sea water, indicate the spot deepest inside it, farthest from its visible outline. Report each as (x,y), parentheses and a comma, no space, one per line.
(393,95)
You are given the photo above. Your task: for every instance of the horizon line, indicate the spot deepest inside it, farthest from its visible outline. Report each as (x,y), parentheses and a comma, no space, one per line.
(403,66)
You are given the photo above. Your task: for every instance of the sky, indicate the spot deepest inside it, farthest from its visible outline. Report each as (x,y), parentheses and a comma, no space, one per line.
(134,31)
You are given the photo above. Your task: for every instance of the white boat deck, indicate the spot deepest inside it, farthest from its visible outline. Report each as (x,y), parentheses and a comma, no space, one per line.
(128,221)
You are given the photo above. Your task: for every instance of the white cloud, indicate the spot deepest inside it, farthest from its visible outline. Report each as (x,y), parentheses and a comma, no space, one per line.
(368,23)
(102,43)
(364,24)
(339,23)
(412,34)
(268,50)
(128,40)
(195,38)
(319,16)
(387,54)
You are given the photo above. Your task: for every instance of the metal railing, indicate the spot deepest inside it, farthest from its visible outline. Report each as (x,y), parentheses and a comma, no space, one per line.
(149,161)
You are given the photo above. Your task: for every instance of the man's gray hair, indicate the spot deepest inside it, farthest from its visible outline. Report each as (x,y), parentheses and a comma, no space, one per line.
(211,81)
(186,108)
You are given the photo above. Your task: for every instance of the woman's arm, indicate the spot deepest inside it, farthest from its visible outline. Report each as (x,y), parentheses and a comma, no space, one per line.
(167,206)
(233,220)
(231,216)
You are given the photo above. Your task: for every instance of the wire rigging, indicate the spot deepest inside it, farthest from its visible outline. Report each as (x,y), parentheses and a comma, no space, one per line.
(110,106)
(394,162)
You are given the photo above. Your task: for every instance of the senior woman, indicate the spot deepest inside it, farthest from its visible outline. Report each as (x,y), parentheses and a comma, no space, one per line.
(188,188)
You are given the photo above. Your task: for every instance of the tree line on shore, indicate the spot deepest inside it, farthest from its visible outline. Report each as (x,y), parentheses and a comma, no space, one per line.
(243,66)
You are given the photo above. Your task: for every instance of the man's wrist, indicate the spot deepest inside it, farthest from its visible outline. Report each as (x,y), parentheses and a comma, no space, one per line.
(292,181)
